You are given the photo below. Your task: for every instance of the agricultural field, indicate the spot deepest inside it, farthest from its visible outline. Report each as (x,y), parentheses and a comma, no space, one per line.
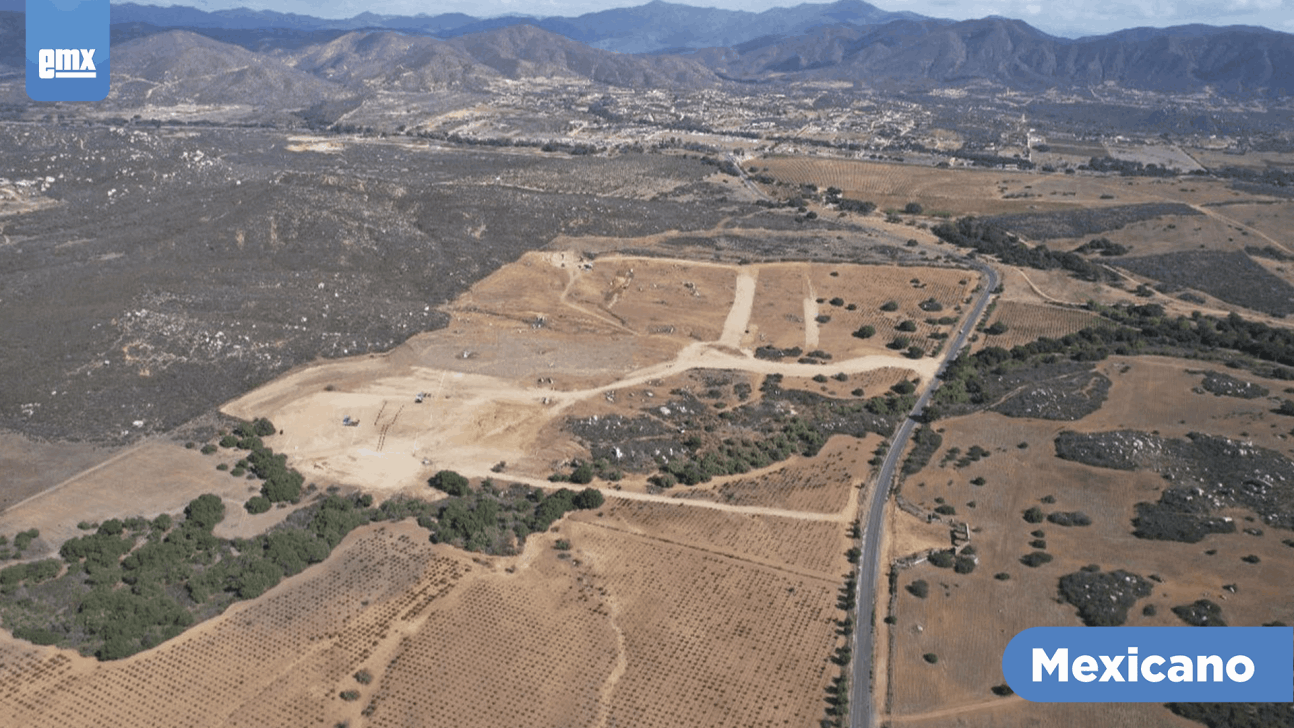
(825,483)
(953,192)
(963,618)
(775,629)
(1028,322)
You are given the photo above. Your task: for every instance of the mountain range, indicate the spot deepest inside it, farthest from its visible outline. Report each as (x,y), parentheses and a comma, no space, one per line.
(288,59)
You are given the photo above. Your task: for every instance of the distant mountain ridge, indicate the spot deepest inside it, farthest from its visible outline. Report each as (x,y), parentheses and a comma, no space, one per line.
(1235,60)
(847,41)
(654,27)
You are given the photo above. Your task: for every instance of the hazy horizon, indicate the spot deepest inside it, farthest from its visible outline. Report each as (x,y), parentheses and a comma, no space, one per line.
(1051,16)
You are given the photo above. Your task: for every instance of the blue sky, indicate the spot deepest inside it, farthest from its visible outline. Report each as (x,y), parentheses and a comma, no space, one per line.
(1061,17)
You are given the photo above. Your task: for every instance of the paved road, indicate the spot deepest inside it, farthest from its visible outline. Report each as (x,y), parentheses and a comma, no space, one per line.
(746,180)
(862,711)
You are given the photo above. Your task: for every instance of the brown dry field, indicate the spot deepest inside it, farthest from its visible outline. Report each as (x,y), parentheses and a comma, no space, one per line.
(1259,160)
(732,616)
(504,402)
(827,483)
(1027,322)
(712,639)
(154,477)
(963,191)
(31,466)
(968,619)
(786,304)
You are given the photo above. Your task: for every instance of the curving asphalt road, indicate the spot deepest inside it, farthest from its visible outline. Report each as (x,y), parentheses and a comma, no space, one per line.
(862,712)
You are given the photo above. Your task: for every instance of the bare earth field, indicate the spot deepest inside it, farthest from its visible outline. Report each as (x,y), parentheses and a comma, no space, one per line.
(475,415)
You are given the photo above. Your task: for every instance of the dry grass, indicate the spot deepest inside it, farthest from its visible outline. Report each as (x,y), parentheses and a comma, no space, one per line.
(158,476)
(1028,322)
(658,297)
(963,191)
(709,639)
(968,619)
(822,484)
(787,294)
(279,660)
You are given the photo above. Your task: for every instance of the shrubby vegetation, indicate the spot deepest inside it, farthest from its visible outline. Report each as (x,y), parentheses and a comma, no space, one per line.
(988,238)
(1236,715)
(1201,613)
(131,584)
(1103,598)
(732,457)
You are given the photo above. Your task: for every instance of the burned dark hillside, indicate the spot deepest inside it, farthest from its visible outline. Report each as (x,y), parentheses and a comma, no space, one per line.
(168,271)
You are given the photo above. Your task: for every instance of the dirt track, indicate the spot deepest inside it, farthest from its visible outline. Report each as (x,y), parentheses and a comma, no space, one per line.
(470,421)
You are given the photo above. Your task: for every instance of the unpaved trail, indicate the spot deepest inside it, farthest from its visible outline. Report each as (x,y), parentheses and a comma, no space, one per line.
(954,710)
(1213,213)
(621,666)
(476,471)
(810,315)
(734,327)
(115,458)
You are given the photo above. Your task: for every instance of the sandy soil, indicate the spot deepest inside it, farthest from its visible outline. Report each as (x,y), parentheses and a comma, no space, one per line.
(470,420)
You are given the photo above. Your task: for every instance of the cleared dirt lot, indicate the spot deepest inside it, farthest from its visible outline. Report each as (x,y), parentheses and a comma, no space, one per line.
(475,414)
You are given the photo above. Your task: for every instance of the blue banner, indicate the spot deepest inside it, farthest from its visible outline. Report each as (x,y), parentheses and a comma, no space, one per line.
(1152,664)
(67,50)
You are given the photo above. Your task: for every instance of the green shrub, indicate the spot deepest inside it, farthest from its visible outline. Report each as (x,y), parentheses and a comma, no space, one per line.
(1070,518)
(930,657)
(890,306)
(257,504)
(450,482)
(1034,515)
(588,499)
(1036,559)
(943,559)
(919,589)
